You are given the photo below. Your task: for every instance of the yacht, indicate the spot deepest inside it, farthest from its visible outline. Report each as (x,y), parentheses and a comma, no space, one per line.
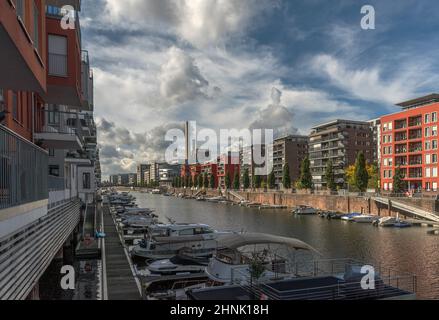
(350,217)
(365,219)
(304,210)
(386,222)
(165,241)
(180,264)
(232,265)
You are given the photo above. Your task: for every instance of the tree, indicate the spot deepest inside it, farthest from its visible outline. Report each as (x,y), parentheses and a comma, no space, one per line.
(236,181)
(212,181)
(305,181)
(399,184)
(200,181)
(205,181)
(191,182)
(330,177)
(246,179)
(263,184)
(361,175)
(228,182)
(257,181)
(286,179)
(271,180)
(374,176)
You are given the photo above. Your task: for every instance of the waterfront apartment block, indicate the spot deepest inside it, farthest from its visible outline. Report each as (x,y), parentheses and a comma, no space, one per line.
(410,142)
(228,165)
(291,150)
(141,169)
(48,142)
(210,170)
(339,141)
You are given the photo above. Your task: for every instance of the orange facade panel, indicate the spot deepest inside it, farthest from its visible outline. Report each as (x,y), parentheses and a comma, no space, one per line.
(23,51)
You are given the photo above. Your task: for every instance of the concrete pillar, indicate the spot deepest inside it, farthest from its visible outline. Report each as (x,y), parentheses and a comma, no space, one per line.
(35,293)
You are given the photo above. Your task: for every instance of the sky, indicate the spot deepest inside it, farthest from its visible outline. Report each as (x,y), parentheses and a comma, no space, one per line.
(227,64)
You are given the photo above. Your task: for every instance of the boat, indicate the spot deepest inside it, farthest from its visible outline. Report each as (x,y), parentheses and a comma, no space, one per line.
(386,222)
(180,264)
(304,210)
(402,224)
(365,219)
(231,264)
(156,191)
(350,217)
(165,241)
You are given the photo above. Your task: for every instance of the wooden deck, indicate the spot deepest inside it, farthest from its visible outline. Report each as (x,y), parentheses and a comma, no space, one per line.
(119,278)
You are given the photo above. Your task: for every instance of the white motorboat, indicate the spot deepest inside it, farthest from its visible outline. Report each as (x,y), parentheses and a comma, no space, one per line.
(304,210)
(365,219)
(232,265)
(165,241)
(177,265)
(387,222)
(350,217)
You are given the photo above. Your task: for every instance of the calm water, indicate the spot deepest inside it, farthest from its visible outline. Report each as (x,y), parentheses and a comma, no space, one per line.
(404,250)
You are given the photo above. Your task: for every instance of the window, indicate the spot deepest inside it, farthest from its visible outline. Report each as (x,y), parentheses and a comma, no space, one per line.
(427,132)
(434,131)
(15,105)
(434,186)
(434,117)
(434,158)
(428,159)
(51,152)
(53,114)
(86,180)
(427,118)
(19,5)
(54,171)
(57,56)
(434,144)
(427,145)
(2,101)
(427,172)
(434,170)
(36,27)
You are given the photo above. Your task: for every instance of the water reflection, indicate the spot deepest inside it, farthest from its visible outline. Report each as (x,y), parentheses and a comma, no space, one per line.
(407,250)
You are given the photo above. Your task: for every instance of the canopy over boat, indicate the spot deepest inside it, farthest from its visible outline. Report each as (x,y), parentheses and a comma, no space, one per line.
(238,240)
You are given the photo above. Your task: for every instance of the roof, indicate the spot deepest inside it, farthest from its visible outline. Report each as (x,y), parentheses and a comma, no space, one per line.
(335,122)
(238,240)
(421,101)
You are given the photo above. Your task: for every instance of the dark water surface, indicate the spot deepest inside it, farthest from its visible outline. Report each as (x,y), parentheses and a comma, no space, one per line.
(404,250)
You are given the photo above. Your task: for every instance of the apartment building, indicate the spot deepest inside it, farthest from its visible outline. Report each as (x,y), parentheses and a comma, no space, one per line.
(228,165)
(210,170)
(48,148)
(410,142)
(339,141)
(255,160)
(291,150)
(141,169)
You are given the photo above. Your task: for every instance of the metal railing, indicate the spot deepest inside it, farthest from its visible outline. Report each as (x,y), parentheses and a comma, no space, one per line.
(23,170)
(69,123)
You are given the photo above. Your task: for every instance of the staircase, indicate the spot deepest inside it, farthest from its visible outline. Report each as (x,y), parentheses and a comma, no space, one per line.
(237,196)
(416,211)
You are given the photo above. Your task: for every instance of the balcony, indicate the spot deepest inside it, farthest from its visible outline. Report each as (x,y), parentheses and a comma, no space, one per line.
(415,134)
(59,130)
(415,147)
(400,124)
(23,182)
(415,121)
(22,63)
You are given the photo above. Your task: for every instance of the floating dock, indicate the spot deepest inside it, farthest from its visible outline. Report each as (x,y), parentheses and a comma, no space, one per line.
(119,279)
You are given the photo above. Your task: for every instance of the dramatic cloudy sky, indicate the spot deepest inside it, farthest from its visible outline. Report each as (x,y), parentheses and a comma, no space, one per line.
(277,64)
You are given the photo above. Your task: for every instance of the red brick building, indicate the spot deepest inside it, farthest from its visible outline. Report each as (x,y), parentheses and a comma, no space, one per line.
(409,140)
(210,169)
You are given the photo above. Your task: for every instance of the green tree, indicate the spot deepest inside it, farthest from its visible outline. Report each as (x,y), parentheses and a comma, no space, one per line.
(205,181)
(330,177)
(305,181)
(246,179)
(361,174)
(236,181)
(271,180)
(399,184)
(257,180)
(212,181)
(200,181)
(286,178)
(228,182)
(263,184)
(191,182)
(374,176)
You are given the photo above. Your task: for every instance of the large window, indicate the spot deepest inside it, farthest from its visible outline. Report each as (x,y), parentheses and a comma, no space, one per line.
(86,180)
(57,56)
(2,100)
(36,27)
(15,105)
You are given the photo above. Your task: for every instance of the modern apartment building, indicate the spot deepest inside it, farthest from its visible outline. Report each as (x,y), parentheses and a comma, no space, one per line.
(228,165)
(48,147)
(254,159)
(291,150)
(410,142)
(141,169)
(339,141)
